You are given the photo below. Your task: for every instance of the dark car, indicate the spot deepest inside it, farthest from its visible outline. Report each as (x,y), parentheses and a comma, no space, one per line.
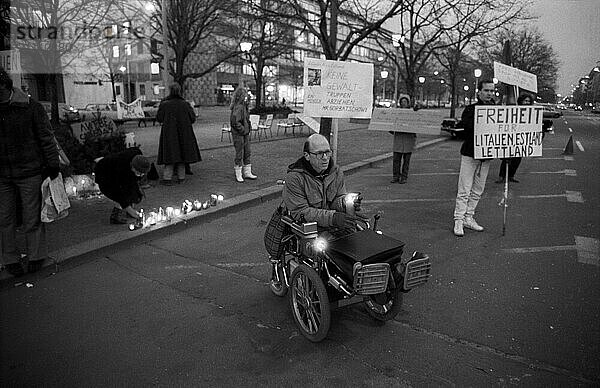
(66,113)
(551,113)
(453,126)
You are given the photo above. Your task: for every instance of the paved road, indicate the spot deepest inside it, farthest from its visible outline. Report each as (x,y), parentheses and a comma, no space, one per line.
(193,308)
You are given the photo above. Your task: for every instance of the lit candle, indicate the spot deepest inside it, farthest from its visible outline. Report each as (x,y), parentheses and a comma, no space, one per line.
(74,190)
(131,226)
(169,212)
(197,205)
(219,198)
(177,212)
(205,205)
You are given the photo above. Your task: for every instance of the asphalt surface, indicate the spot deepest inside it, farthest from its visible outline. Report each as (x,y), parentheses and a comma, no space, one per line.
(192,308)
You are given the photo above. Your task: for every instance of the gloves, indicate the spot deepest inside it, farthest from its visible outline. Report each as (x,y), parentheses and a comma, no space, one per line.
(357,203)
(343,220)
(52,172)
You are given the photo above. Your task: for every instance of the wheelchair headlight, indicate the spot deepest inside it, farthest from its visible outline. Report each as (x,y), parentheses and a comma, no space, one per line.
(320,245)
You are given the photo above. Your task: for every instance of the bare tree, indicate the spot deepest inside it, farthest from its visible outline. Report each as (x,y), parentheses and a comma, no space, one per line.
(361,18)
(530,53)
(54,33)
(271,37)
(198,27)
(472,20)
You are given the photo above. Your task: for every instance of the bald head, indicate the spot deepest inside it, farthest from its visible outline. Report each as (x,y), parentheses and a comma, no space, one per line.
(317,152)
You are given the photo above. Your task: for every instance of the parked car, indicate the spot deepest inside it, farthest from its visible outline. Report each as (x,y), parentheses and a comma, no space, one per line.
(385,103)
(66,113)
(551,113)
(578,108)
(453,126)
(103,109)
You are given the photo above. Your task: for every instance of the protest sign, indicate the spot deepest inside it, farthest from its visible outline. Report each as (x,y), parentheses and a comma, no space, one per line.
(311,122)
(507,131)
(129,111)
(337,89)
(402,120)
(513,76)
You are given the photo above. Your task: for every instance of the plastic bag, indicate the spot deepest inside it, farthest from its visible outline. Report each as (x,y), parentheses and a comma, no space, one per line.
(55,203)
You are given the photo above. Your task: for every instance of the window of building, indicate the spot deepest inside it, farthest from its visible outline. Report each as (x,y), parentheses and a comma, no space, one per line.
(270,71)
(300,36)
(118,90)
(140,47)
(247,69)
(299,55)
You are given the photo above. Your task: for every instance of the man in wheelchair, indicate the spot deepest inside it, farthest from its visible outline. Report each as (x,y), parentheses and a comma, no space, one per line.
(315,191)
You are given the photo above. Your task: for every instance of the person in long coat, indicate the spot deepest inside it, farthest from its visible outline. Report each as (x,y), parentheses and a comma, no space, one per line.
(177,145)
(403,146)
(239,120)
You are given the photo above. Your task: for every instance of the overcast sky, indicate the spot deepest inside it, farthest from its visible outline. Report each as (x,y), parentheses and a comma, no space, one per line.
(573,29)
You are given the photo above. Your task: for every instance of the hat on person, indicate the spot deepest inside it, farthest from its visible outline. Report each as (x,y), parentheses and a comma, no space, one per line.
(140,164)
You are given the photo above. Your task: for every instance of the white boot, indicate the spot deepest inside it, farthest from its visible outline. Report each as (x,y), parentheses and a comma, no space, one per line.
(238,174)
(248,172)
(458,228)
(472,224)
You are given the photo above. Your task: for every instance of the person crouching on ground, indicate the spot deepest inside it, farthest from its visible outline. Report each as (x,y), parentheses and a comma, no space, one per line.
(177,145)
(240,130)
(118,177)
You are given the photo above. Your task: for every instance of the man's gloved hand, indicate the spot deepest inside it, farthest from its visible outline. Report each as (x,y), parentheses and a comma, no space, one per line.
(357,203)
(343,220)
(52,172)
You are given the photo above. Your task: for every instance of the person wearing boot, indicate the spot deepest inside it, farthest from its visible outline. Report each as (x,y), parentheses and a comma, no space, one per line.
(28,154)
(473,172)
(118,177)
(240,130)
(403,146)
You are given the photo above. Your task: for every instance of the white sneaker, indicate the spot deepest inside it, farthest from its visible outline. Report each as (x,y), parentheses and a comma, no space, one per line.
(458,228)
(472,224)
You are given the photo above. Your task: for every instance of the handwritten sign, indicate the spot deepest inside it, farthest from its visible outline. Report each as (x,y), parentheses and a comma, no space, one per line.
(507,131)
(337,89)
(129,111)
(401,120)
(513,76)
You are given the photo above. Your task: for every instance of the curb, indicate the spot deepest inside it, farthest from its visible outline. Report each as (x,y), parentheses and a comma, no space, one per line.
(122,239)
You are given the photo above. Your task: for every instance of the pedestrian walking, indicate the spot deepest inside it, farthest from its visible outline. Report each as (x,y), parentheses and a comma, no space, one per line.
(513,163)
(240,131)
(473,172)
(403,147)
(118,176)
(177,145)
(28,154)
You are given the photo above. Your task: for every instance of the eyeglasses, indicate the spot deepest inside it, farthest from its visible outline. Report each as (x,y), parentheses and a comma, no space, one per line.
(321,154)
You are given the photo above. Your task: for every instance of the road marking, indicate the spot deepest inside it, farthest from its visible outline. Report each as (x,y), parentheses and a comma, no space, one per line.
(574,196)
(561,158)
(421,173)
(552,149)
(238,265)
(567,172)
(542,196)
(579,145)
(570,130)
(588,250)
(408,200)
(569,158)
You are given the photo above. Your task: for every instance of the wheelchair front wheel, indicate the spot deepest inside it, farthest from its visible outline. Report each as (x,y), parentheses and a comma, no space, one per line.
(384,306)
(310,303)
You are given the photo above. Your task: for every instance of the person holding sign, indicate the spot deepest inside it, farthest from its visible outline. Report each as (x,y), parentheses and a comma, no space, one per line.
(513,163)
(473,172)
(403,146)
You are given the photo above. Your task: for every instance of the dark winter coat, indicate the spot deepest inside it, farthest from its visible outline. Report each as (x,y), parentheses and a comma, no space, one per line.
(26,140)
(404,142)
(116,179)
(240,120)
(468,122)
(177,143)
(315,196)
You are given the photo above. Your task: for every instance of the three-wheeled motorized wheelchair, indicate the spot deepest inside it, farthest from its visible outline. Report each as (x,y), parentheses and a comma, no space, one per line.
(319,272)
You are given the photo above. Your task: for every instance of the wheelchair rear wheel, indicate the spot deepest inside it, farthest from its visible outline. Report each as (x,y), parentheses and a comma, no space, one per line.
(310,303)
(384,306)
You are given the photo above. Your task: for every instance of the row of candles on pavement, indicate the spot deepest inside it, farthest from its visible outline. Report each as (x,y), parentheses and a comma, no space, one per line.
(169,213)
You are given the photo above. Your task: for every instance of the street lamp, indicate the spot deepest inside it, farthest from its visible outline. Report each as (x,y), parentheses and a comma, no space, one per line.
(397,41)
(421,81)
(477,73)
(384,75)
(466,89)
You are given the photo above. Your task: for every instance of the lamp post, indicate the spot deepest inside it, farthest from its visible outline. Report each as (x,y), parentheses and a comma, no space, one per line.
(397,40)
(466,89)
(477,73)
(421,81)
(384,75)
(165,47)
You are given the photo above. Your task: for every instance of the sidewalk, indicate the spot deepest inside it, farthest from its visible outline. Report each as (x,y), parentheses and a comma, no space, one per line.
(87,229)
